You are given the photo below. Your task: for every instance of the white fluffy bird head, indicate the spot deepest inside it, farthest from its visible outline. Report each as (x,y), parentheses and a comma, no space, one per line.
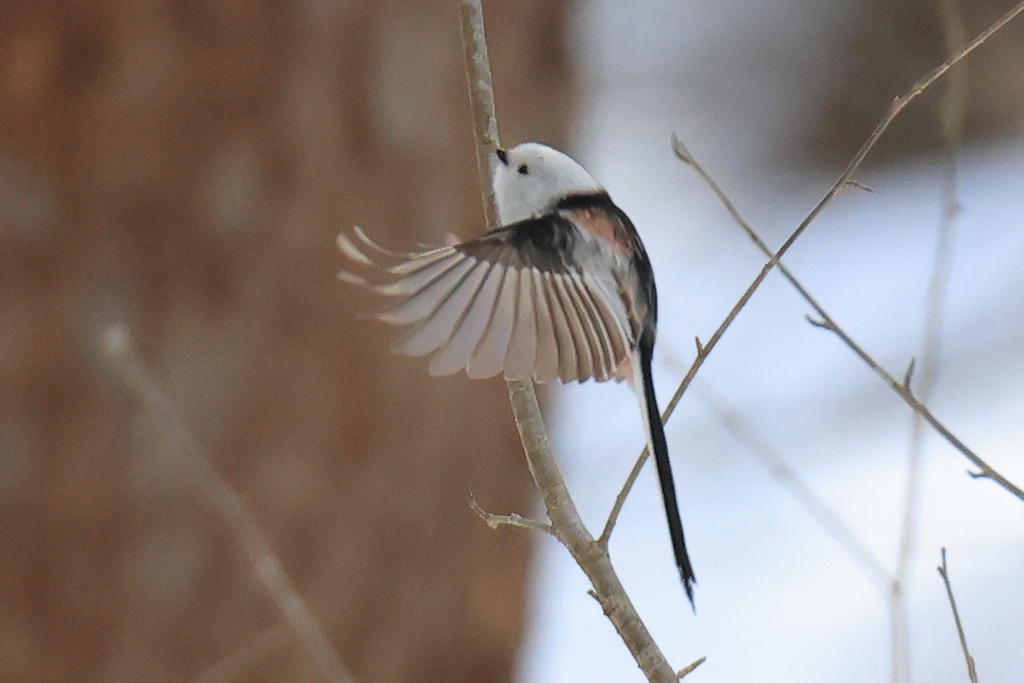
(532,178)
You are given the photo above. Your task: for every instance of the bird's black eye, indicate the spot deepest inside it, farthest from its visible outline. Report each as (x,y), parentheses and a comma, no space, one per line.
(523,169)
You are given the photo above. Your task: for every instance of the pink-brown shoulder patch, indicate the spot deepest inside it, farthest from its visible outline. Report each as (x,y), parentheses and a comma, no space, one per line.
(602,225)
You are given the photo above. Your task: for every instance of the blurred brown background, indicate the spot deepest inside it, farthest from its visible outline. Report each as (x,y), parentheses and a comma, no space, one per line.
(888,48)
(183,167)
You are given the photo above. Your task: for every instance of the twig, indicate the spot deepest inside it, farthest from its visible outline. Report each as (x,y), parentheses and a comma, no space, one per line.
(826,322)
(620,500)
(844,179)
(566,524)
(689,669)
(895,588)
(908,376)
(494,521)
(216,491)
(971,673)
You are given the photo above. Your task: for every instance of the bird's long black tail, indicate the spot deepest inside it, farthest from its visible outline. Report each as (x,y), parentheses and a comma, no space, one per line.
(656,442)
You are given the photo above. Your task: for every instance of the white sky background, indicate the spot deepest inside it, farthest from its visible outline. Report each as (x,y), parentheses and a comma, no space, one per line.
(778,599)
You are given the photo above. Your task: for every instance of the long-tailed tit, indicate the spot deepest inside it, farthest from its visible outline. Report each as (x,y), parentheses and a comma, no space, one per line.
(563,288)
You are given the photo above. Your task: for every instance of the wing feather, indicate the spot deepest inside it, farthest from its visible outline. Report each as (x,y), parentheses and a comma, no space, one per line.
(548,344)
(441,321)
(614,325)
(415,281)
(561,332)
(600,345)
(522,348)
(457,352)
(428,299)
(349,249)
(580,344)
(489,357)
(513,300)
(417,261)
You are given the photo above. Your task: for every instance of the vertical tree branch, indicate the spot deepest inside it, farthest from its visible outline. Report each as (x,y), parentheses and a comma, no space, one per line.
(566,524)
(481,96)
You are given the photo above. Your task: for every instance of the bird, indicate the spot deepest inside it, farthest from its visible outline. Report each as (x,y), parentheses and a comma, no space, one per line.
(562,289)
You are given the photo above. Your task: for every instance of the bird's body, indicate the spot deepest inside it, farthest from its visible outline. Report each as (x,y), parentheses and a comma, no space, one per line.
(564,288)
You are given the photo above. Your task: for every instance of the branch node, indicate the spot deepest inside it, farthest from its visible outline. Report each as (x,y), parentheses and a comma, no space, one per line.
(700,347)
(689,669)
(820,323)
(680,150)
(858,185)
(495,521)
(978,475)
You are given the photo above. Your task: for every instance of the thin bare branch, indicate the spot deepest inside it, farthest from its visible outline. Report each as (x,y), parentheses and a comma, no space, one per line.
(944,573)
(620,499)
(593,559)
(217,492)
(494,521)
(566,524)
(826,322)
(843,181)
(689,669)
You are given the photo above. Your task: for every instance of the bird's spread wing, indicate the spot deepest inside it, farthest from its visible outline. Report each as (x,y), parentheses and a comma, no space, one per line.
(505,302)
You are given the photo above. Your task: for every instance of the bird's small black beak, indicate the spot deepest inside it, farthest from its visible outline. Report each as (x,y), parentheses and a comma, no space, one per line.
(502,156)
